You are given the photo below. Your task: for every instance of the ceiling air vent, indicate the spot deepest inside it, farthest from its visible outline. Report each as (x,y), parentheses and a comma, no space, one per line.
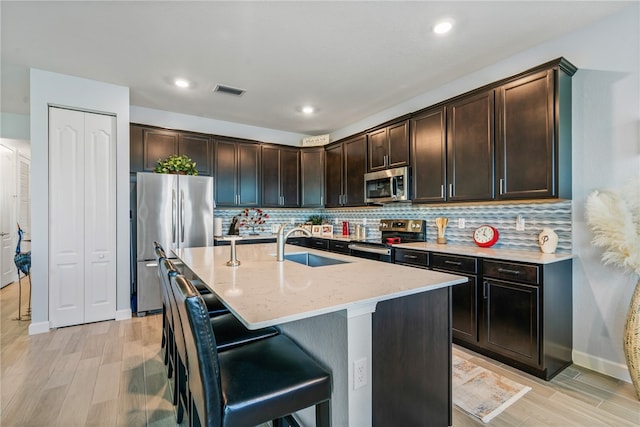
(229,90)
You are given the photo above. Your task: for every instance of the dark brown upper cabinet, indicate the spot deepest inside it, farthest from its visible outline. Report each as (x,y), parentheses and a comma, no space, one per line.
(280,176)
(470,146)
(388,147)
(345,169)
(429,148)
(533,135)
(198,148)
(237,173)
(136,149)
(312,177)
(147,145)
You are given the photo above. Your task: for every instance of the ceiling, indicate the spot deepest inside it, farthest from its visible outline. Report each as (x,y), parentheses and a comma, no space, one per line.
(348,59)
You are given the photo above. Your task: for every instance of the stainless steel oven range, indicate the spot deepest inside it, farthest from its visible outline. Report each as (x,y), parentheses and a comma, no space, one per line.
(391,231)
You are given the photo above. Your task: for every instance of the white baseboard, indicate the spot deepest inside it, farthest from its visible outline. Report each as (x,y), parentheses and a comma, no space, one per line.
(606,367)
(38,328)
(123,314)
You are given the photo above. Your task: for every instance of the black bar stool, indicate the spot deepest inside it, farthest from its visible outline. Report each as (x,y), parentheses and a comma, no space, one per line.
(232,332)
(248,385)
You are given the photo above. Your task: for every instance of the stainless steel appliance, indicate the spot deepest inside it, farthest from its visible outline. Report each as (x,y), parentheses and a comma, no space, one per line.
(391,231)
(175,211)
(390,185)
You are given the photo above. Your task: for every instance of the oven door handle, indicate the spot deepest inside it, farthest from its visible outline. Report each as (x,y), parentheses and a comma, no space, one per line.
(370,249)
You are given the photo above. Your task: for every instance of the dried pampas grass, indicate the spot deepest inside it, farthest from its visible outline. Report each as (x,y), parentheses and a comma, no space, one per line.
(614,219)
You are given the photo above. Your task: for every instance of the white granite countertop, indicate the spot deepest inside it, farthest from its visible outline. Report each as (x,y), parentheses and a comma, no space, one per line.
(263,292)
(502,254)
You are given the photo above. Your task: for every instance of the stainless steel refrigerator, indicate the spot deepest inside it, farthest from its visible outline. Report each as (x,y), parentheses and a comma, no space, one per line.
(175,211)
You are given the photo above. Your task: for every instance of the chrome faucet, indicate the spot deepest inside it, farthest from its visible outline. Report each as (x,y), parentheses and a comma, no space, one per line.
(282,238)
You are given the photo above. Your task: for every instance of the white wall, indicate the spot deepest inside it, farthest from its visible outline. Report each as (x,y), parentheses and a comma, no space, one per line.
(49,88)
(167,119)
(606,154)
(14,126)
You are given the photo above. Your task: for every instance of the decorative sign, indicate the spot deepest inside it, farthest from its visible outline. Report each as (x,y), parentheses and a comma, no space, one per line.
(313,141)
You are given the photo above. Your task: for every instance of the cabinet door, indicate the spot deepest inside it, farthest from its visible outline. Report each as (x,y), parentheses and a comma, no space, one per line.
(511,320)
(225,173)
(158,144)
(312,177)
(378,146)
(198,148)
(470,148)
(136,149)
(398,145)
(355,166)
(525,138)
(270,176)
(248,174)
(464,311)
(290,177)
(333,175)
(428,143)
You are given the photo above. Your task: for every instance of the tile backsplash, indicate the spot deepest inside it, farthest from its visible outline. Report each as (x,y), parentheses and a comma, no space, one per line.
(537,215)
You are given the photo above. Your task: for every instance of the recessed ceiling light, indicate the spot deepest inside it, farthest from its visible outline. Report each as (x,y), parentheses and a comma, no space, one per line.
(181,83)
(308,109)
(442,27)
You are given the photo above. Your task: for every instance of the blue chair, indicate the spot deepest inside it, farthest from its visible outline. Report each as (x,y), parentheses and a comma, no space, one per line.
(267,380)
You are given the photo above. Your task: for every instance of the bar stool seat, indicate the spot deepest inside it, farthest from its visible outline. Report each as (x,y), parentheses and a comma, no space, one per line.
(231,333)
(214,305)
(269,379)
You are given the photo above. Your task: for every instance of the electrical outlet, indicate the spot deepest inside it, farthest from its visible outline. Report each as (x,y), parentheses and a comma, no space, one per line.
(360,373)
(292,221)
(364,221)
(519,223)
(461,223)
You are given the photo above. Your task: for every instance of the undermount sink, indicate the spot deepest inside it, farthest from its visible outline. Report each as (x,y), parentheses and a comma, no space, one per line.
(312,260)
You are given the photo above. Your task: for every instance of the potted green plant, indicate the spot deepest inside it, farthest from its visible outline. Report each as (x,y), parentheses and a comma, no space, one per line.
(181,165)
(316,219)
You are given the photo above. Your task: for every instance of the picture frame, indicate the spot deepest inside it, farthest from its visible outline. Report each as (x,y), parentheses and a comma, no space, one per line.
(316,230)
(327,230)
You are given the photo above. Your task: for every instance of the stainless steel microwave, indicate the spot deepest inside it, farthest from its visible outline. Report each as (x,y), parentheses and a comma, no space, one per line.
(390,185)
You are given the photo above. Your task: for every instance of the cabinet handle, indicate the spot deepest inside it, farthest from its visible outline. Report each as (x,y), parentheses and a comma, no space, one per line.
(322,200)
(442,191)
(450,190)
(485,289)
(386,161)
(339,246)
(507,271)
(458,263)
(501,185)
(410,256)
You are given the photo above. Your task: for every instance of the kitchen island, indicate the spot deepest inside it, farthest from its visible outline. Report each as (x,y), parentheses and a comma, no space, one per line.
(390,322)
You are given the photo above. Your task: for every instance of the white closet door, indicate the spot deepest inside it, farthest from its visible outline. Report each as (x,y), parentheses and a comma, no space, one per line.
(100,218)
(66,217)
(82,229)
(8,230)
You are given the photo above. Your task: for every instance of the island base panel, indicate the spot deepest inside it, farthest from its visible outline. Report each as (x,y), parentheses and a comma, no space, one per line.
(412,360)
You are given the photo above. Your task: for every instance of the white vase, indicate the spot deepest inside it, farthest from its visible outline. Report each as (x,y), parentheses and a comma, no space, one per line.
(548,241)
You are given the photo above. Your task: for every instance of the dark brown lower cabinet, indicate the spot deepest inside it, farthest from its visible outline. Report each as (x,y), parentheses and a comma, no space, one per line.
(526,315)
(464,297)
(512,322)
(412,360)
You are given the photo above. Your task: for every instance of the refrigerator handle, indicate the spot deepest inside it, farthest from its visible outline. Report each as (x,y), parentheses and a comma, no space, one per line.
(173,216)
(181,216)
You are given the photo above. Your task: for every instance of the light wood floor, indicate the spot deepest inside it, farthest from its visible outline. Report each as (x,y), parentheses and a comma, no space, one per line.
(111,374)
